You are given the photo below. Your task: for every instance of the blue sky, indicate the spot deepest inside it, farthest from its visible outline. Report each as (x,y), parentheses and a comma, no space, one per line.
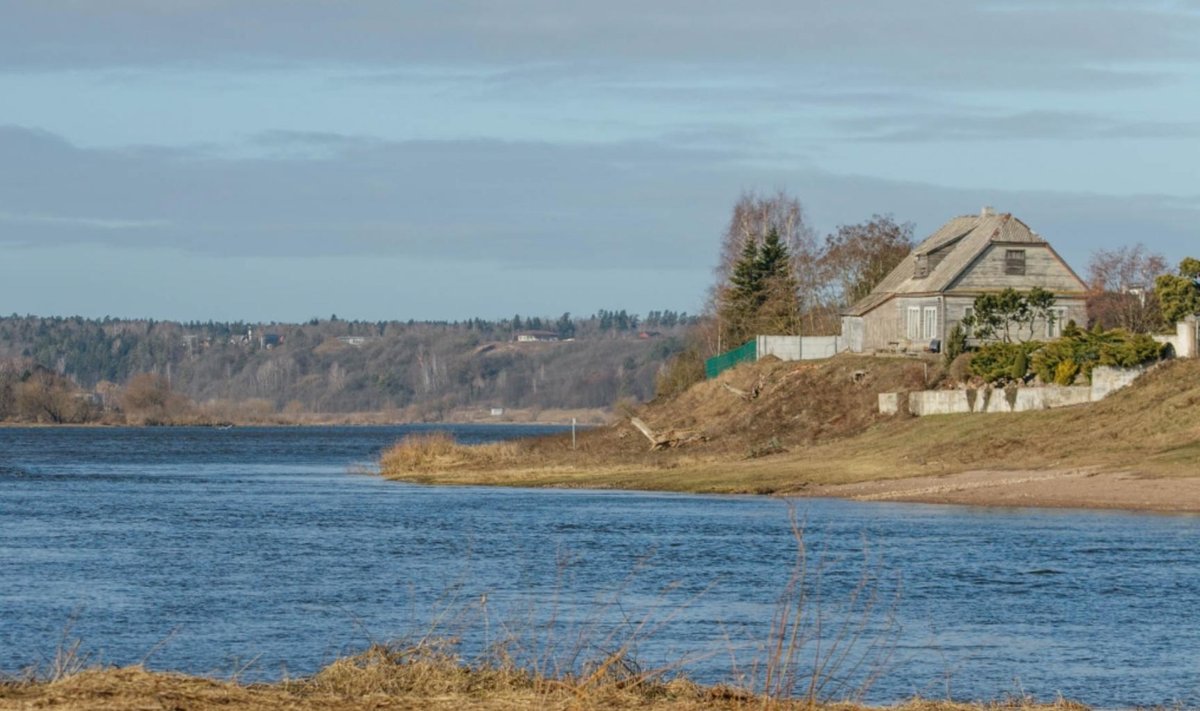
(277,160)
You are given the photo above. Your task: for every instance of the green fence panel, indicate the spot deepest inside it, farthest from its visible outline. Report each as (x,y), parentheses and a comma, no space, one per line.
(720,363)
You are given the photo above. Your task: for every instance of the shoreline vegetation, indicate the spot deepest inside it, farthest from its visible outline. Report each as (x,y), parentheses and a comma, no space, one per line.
(424,677)
(813,429)
(583,417)
(375,680)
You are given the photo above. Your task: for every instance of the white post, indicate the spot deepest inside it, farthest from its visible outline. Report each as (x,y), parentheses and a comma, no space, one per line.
(572,433)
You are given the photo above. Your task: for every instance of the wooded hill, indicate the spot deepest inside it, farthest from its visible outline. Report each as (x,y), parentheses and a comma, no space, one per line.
(330,365)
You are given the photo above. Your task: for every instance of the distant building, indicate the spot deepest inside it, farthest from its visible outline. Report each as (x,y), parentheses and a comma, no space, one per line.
(536,337)
(356,341)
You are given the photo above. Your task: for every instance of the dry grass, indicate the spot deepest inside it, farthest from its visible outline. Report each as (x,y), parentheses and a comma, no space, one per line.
(388,678)
(437,451)
(1151,428)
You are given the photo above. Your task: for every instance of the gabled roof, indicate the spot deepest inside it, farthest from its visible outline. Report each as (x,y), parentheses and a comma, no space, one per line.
(958,243)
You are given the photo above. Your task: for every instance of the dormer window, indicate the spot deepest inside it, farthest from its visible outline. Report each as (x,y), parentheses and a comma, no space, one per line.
(1014,262)
(922,267)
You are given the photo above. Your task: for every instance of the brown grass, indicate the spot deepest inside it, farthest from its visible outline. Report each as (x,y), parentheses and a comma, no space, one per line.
(389,678)
(438,451)
(829,432)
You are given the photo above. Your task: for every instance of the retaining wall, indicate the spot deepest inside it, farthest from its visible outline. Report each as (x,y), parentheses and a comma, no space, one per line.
(1105,381)
(949,402)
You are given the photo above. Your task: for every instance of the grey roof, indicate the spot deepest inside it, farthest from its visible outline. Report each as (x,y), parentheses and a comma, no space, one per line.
(964,238)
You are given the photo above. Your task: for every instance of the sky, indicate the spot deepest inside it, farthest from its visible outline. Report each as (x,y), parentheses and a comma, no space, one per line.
(277,160)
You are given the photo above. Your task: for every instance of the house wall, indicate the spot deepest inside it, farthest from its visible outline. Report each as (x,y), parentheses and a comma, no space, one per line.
(885,328)
(1042,269)
(852,333)
(1076,310)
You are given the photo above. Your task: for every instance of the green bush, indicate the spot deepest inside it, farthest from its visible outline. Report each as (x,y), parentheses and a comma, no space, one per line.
(1020,366)
(956,344)
(999,362)
(1065,373)
(1079,351)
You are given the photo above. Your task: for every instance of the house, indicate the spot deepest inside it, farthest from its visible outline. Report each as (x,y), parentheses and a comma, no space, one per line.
(935,286)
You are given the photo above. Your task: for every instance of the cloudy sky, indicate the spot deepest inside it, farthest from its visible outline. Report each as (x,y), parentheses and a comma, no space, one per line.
(377,159)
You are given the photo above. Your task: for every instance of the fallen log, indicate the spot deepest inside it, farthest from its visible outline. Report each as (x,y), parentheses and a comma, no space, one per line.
(747,396)
(668,439)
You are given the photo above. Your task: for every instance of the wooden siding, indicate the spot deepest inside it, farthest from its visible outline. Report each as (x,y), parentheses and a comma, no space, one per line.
(885,327)
(1042,268)
(1076,310)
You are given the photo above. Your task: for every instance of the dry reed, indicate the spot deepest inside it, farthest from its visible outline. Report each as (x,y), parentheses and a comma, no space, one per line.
(438,451)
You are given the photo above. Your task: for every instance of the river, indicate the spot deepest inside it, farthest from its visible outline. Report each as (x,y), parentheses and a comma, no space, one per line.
(268,552)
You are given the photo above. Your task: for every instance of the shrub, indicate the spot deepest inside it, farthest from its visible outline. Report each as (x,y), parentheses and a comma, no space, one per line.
(960,369)
(1084,350)
(680,373)
(1020,365)
(998,362)
(1065,372)
(956,344)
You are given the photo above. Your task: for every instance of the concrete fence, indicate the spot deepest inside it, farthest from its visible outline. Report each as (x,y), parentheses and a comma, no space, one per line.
(1105,381)
(800,347)
(1185,342)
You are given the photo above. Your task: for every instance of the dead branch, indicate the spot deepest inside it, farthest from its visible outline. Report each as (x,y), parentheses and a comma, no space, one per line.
(669,439)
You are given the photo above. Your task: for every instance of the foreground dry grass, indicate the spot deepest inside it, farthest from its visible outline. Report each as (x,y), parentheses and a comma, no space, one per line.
(1151,429)
(386,678)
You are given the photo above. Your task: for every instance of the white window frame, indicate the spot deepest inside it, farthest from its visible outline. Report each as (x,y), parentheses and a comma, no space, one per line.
(1054,326)
(929,323)
(913,324)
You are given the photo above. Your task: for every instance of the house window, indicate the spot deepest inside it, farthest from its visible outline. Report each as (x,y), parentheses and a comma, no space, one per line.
(1014,262)
(1058,317)
(922,268)
(913,324)
(929,323)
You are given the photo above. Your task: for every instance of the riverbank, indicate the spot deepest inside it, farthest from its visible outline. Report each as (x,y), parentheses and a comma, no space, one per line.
(812,433)
(582,417)
(383,679)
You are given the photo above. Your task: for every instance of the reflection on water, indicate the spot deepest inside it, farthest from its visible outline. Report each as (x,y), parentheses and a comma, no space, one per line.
(258,544)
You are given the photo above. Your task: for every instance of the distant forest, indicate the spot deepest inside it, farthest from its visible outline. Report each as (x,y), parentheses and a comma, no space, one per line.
(426,369)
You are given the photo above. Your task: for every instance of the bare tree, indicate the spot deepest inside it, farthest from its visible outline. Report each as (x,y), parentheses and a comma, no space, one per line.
(46,396)
(857,257)
(1121,288)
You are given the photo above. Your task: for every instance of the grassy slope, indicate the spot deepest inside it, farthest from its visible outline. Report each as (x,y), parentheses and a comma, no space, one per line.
(826,423)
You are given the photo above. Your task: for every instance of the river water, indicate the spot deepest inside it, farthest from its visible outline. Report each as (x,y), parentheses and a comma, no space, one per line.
(267,551)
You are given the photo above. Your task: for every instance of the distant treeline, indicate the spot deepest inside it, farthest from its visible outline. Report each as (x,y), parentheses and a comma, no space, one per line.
(337,366)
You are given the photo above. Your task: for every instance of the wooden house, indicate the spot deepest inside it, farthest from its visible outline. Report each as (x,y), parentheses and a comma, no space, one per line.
(935,286)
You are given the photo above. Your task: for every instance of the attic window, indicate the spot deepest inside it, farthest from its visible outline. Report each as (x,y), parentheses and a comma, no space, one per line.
(922,268)
(1014,262)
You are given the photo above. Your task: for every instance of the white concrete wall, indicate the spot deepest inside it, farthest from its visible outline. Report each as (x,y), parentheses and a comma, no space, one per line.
(938,402)
(1107,380)
(949,402)
(1184,341)
(800,347)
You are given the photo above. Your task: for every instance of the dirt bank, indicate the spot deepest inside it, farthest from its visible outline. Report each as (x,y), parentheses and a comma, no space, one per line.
(814,429)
